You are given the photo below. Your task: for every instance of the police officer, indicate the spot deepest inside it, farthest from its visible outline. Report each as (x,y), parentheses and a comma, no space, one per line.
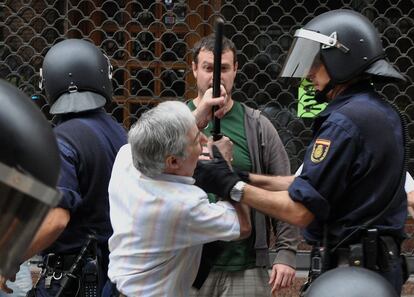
(77,79)
(29,169)
(350,196)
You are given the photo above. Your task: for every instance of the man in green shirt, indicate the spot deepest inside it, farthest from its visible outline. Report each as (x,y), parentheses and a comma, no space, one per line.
(242,268)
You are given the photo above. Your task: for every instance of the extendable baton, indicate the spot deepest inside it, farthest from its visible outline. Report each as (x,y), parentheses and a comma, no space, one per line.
(218,46)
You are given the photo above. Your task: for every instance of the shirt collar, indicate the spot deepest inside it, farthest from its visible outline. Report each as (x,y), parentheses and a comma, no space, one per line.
(176,178)
(343,98)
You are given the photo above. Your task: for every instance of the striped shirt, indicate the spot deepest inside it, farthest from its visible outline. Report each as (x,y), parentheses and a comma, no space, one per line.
(159,228)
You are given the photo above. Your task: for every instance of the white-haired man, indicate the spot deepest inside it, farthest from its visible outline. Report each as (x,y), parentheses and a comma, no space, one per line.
(160,219)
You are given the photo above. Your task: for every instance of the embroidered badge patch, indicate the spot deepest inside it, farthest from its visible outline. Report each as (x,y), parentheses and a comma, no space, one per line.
(320,150)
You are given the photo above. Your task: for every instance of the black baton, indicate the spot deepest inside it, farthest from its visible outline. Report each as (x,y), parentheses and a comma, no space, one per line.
(211,250)
(218,46)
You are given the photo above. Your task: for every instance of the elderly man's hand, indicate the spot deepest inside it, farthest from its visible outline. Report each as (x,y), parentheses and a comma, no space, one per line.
(224,145)
(215,176)
(3,285)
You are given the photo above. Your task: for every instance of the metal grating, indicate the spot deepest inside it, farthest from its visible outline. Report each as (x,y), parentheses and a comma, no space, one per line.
(149,45)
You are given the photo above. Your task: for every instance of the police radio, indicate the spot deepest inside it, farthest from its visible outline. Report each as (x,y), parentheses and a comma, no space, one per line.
(89,279)
(70,279)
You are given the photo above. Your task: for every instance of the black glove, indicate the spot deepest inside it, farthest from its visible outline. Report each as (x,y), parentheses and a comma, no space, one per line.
(215,176)
(244,175)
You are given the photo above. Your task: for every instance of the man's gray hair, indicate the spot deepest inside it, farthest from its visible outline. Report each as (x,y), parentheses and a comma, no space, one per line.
(158,133)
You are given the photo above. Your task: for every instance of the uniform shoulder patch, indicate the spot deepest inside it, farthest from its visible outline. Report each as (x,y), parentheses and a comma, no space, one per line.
(320,150)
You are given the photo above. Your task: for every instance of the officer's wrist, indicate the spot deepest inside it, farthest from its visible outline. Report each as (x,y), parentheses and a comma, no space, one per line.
(236,193)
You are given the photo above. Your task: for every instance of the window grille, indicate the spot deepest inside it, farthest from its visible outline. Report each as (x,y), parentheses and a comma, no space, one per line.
(149,45)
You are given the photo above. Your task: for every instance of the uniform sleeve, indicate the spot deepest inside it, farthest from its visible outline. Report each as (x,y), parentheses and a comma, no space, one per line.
(212,221)
(276,162)
(326,169)
(68,181)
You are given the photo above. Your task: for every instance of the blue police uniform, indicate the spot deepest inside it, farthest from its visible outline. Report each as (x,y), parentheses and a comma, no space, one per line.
(88,144)
(352,169)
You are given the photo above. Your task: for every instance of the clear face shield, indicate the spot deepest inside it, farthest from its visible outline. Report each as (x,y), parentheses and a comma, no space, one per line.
(304,54)
(24,202)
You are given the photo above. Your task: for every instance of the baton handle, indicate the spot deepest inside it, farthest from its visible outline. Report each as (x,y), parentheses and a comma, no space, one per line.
(218,48)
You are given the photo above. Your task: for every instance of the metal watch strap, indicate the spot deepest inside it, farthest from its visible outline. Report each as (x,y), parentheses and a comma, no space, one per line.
(236,193)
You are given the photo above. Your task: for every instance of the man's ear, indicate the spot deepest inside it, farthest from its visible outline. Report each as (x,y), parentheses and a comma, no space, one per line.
(172,163)
(194,67)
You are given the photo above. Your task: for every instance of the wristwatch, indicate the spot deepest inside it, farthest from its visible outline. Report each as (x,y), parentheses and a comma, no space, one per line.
(236,193)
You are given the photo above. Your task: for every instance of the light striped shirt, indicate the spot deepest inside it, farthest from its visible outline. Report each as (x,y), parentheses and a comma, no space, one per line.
(159,228)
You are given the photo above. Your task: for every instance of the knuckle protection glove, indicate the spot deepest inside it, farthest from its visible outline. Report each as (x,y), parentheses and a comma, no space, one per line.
(244,175)
(215,176)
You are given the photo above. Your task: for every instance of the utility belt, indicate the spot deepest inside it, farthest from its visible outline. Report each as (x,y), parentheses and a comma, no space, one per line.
(58,263)
(56,266)
(71,275)
(374,252)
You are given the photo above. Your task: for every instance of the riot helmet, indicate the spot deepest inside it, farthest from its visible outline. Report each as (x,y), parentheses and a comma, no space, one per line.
(76,76)
(350,282)
(29,170)
(345,41)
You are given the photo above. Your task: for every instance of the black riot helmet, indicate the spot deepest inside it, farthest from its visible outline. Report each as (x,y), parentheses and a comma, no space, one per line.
(350,282)
(29,170)
(76,76)
(343,40)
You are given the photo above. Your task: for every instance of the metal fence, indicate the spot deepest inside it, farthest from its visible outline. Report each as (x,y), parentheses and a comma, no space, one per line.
(149,45)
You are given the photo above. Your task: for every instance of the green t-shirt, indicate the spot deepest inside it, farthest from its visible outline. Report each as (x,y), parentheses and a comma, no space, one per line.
(237,255)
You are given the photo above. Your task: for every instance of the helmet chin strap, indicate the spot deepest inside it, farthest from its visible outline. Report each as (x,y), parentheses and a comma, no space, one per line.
(321,96)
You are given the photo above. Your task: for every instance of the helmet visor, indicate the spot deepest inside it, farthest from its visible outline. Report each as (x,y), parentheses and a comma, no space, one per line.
(24,202)
(304,52)
(302,57)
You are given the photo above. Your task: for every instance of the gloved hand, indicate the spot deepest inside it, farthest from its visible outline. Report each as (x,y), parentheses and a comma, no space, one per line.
(244,175)
(215,176)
